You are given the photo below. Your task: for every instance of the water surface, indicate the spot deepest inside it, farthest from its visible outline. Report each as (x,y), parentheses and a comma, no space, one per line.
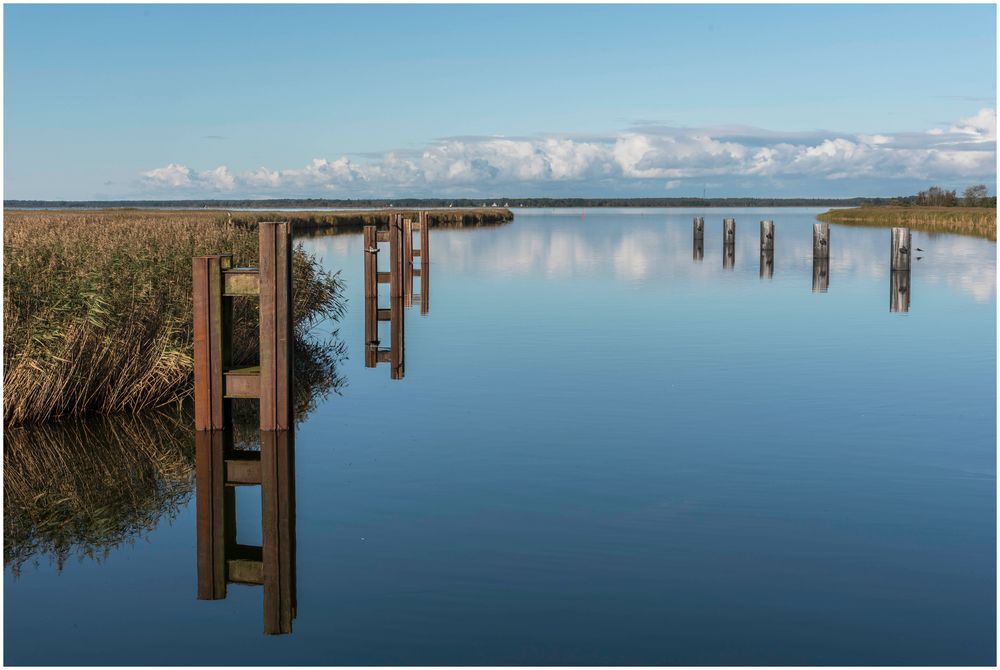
(605,449)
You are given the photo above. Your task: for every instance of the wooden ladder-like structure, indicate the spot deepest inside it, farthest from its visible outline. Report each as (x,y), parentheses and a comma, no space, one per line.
(220,468)
(216,381)
(399,235)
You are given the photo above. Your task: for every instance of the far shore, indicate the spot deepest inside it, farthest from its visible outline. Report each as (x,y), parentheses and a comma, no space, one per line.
(975,221)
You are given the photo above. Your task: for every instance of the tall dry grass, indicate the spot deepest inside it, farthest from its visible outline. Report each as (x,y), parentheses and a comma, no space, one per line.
(976,221)
(97,307)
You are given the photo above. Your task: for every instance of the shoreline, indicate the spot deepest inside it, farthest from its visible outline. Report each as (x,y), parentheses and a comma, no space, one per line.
(972,221)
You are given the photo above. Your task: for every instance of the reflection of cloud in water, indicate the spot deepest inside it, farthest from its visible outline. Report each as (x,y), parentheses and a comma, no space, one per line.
(640,248)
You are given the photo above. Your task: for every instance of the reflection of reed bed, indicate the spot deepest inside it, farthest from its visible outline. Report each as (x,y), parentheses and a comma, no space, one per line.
(308,224)
(976,221)
(81,488)
(97,307)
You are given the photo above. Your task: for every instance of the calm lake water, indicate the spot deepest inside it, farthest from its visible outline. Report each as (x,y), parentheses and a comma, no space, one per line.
(604,451)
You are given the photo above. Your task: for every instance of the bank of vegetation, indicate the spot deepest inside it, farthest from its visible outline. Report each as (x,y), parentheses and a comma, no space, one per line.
(97,310)
(976,221)
(935,210)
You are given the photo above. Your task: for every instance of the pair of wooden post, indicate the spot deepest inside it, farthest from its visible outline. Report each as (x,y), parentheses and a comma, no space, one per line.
(222,559)
(402,270)
(410,253)
(394,355)
(219,468)
(216,382)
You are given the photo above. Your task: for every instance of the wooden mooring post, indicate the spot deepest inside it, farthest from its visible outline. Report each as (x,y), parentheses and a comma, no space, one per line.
(698,249)
(728,256)
(766,236)
(222,560)
(728,232)
(216,381)
(821,240)
(900,250)
(698,227)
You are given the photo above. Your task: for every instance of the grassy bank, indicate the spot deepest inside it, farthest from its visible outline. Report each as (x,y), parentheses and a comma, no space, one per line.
(977,221)
(97,309)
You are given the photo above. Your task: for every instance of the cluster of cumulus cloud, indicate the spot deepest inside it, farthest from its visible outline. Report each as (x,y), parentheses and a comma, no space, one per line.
(645,156)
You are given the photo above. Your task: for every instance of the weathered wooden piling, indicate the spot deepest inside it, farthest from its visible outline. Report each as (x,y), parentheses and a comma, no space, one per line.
(698,249)
(698,227)
(212,337)
(900,249)
(766,236)
(276,410)
(821,240)
(767,264)
(729,231)
(728,256)
(821,274)
(899,290)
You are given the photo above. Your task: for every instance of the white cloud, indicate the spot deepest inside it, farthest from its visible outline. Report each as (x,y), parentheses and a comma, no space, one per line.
(653,158)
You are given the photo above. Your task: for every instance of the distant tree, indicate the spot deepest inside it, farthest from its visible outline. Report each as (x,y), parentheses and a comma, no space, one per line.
(975,195)
(937,197)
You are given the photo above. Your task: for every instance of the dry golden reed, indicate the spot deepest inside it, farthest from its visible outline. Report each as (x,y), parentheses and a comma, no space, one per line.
(976,221)
(97,306)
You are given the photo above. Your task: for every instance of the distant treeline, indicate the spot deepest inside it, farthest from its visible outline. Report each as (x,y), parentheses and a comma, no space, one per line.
(313,203)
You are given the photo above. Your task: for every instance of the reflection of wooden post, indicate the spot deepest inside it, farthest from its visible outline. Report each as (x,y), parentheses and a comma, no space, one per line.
(425,247)
(210,513)
(397,361)
(425,260)
(371,296)
(821,240)
(275,326)
(900,249)
(729,231)
(728,256)
(408,261)
(766,236)
(425,286)
(395,256)
(698,227)
(767,264)
(699,249)
(821,274)
(277,494)
(899,290)
(212,333)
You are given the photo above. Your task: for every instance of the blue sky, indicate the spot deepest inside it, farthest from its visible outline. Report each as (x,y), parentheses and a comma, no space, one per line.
(175,101)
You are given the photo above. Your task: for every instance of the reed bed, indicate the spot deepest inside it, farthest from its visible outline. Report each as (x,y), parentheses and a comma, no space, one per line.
(81,488)
(97,307)
(975,221)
